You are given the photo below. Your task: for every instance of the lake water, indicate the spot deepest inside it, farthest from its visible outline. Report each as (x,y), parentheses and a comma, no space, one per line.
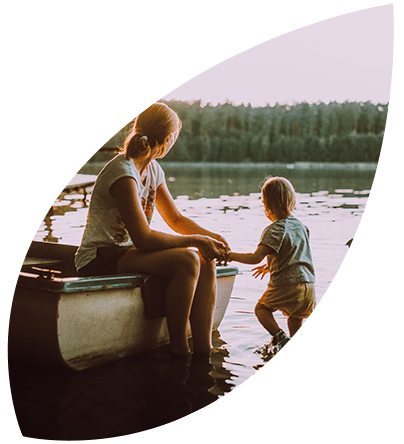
(148,390)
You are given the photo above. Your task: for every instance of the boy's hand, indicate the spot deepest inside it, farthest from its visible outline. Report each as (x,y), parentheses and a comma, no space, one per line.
(262,270)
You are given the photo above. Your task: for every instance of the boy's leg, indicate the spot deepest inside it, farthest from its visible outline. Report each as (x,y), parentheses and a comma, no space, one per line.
(294,324)
(279,337)
(266,319)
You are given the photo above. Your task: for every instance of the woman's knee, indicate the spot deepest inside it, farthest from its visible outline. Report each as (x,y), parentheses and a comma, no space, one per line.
(189,262)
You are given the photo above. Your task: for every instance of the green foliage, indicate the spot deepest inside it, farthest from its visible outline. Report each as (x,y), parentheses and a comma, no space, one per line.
(333,132)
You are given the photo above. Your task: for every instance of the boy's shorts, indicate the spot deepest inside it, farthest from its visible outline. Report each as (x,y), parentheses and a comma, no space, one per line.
(105,263)
(296,300)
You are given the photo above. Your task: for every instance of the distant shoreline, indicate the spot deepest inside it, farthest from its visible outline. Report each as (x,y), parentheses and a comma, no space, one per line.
(94,167)
(299,165)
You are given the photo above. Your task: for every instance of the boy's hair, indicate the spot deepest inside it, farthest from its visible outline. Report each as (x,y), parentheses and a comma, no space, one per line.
(278,195)
(151,128)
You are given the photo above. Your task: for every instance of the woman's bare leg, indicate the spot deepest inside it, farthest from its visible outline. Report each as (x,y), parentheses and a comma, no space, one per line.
(202,308)
(182,266)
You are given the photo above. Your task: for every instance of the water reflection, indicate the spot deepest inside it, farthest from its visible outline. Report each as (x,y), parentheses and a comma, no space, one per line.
(244,179)
(213,180)
(59,209)
(133,394)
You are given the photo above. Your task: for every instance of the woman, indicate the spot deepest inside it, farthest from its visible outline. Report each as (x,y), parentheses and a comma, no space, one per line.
(118,237)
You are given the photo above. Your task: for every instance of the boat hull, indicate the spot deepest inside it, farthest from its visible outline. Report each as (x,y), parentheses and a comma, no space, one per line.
(79,323)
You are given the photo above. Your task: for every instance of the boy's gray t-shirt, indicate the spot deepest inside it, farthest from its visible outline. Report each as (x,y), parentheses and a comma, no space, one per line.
(293,263)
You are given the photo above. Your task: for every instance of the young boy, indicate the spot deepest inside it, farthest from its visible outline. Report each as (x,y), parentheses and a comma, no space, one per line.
(285,243)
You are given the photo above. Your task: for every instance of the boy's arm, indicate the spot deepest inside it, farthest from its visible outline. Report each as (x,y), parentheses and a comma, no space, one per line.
(252,258)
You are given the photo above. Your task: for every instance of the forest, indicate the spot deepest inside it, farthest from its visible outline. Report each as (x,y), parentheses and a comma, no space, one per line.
(302,132)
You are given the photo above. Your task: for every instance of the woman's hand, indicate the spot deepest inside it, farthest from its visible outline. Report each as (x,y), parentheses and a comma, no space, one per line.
(221,239)
(211,248)
(225,257)
(262,270)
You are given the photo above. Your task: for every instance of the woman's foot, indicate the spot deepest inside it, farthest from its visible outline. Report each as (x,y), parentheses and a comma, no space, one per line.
(203,357)
(180,355)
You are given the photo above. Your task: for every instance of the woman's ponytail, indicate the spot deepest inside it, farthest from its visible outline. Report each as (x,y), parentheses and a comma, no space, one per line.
(137,145)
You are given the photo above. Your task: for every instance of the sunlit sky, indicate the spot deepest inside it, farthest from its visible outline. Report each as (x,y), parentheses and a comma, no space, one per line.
(343,58)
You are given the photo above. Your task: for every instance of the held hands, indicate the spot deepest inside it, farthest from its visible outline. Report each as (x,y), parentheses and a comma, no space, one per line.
(221,239)
(213,249)
(262,270)
(224,257)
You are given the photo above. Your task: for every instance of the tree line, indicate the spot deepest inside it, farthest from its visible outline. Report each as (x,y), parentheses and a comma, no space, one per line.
(320,132)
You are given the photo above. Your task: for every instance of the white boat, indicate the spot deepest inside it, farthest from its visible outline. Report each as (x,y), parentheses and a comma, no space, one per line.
(78,323)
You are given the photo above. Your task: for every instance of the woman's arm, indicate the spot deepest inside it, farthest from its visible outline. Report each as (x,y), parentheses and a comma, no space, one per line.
(175,220)
(251,258)
(125,193)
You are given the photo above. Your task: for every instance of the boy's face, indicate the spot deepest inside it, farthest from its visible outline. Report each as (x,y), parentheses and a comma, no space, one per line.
(270,216)
(268,213)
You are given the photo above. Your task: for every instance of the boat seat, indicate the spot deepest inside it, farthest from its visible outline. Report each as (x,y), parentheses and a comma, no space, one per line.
(41,261)
(46,267)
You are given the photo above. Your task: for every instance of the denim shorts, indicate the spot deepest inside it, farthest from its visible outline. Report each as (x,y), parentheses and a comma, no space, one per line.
(105,263)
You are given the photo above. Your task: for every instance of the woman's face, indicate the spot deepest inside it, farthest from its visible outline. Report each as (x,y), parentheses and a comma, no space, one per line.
(168,144)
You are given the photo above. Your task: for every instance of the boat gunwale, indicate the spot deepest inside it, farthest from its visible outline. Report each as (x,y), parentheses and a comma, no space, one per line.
(56,284)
